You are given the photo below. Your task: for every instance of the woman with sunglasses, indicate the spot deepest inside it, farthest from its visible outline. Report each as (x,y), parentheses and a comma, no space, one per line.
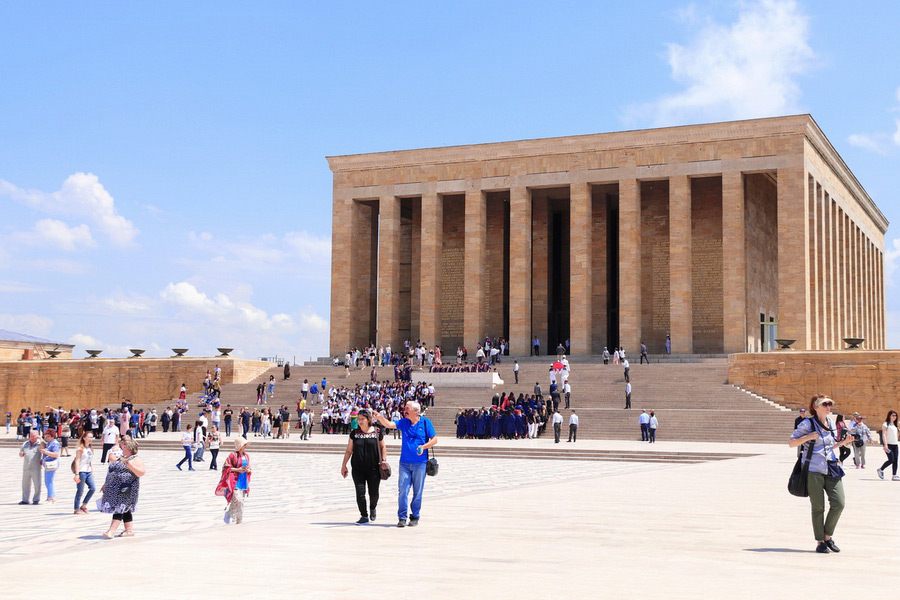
(889,439)
(825,471)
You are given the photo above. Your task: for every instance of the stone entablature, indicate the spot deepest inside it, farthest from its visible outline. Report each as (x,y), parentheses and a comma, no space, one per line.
(609,239)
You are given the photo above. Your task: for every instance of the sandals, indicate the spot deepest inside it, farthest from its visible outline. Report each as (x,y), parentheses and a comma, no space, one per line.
(108,535)
(126,534)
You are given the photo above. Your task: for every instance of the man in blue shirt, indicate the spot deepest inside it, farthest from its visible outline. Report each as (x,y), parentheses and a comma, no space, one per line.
(418,436)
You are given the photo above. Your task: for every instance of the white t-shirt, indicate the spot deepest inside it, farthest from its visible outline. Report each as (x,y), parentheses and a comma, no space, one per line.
(890,436)
(186,438)
(110,433)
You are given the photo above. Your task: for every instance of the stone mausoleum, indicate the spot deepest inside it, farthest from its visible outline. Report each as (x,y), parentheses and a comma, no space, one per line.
(724,235)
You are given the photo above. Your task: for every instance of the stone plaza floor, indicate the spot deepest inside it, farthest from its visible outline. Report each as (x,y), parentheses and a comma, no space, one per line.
(490,528)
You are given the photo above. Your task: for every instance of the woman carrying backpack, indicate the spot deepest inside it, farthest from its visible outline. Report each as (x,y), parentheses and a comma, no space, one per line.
(825,471)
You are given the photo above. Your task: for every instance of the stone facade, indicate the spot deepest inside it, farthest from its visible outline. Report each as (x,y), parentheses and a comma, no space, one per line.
(723,235)
(858,381)
(84,383)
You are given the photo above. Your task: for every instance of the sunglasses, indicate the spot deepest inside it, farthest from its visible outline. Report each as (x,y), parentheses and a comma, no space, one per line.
(827,404)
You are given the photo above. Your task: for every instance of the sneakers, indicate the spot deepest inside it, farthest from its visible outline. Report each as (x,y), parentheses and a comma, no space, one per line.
(401,523)
(895,478)
(880,473)
(178,467)
(191,469)
(372,514)
(413,522)
(822,548)
(363,521)
(227,518)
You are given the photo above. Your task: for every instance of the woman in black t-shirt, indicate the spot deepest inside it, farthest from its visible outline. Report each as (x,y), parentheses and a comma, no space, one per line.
(367,449)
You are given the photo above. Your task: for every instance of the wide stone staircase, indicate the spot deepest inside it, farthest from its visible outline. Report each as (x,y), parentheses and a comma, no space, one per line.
(690,396)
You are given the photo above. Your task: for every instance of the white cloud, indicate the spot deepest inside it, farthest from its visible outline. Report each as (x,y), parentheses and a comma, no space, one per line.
(83,196)
(891,256)
(222,309)
(18,287)
(131,303)
(56,233)
(308,247)
(27,324)
(87,342)
(746,69)
(871,142)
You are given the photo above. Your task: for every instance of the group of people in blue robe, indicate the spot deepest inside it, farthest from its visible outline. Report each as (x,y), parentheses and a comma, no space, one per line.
(526,420)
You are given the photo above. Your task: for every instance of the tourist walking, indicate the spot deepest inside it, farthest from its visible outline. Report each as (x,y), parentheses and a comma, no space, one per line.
(30,451)
(825,471)
(628,395)
(50,462)
(84,475)
(417,436)
(644,421)
(110,437)
(573,427)
(213,439)
(889,439)
(234,484)
(187,438)
(367,453)
(121,488)
(557,426)
(652,425)
(862,435)
(644,353)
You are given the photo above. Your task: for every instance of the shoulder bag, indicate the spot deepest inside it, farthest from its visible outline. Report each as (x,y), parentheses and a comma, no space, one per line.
(432,466)
(797,483)
(800,474)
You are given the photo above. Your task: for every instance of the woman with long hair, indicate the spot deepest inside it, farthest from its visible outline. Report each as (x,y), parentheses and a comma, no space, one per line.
(121,488)
(84,472)
(825,471)
(366,452)
(889,439)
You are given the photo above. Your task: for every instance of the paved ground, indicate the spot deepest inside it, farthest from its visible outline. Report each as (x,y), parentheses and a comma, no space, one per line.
(490,528)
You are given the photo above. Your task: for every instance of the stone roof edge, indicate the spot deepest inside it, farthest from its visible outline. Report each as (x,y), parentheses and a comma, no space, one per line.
(826,150)
(637,138)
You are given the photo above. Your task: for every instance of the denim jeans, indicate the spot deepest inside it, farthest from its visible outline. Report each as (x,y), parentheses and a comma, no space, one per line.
(86,478)
(411,474)
(227,428)
(187,457)
(48,482)
(198,455)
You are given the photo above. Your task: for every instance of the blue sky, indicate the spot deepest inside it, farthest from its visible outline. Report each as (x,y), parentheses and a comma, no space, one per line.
(162,164)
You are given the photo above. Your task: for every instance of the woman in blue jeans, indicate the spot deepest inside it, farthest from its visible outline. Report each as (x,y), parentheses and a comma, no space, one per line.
(84,475)
(187,438)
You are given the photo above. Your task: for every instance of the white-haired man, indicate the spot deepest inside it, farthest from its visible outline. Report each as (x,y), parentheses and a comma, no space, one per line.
(418,436)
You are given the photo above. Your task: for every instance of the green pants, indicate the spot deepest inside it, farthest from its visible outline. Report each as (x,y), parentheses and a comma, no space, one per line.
(818,486)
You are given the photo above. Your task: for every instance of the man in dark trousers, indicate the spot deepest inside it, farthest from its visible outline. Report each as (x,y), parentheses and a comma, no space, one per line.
(628,395)
(557,425)
(644,353)
(516,370)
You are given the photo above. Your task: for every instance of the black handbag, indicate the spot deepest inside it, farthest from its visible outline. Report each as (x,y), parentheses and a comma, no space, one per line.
(797,483)
(384,470)
(431,467)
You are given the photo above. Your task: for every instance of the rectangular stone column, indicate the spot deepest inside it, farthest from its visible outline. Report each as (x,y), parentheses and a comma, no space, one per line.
(474,270)
(793,260)
(519,271)
(341,279)
(430,265)
(734,263)
(388,319)
(581,282)
(681,321)
(629,266)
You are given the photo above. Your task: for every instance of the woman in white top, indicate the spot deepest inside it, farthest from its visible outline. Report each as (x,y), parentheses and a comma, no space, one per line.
(889,438)
(84,473)
(187,438)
